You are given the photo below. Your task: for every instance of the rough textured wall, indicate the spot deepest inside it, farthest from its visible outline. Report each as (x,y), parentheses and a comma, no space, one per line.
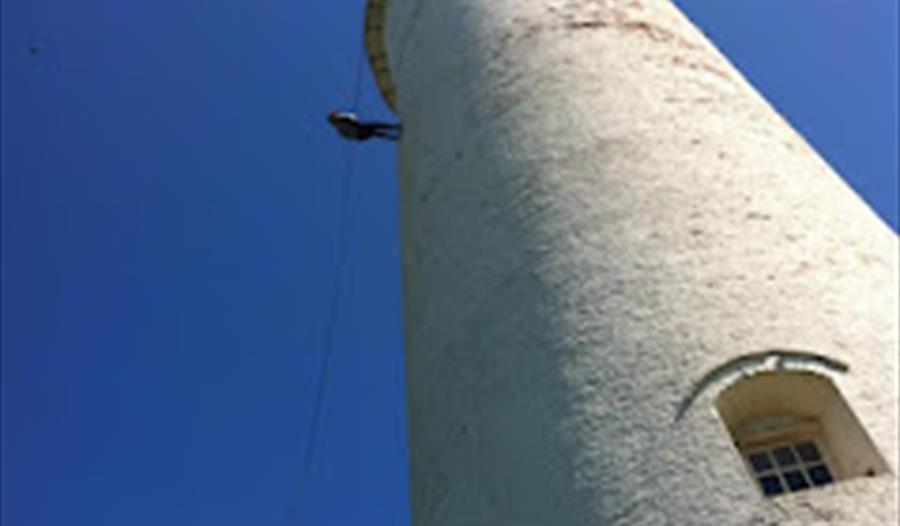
(597,210)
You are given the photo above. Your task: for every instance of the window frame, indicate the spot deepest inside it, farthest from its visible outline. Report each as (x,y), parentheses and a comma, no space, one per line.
(792,439)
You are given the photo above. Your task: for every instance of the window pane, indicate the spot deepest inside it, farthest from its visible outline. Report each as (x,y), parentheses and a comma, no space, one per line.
(771,485)
(760,461)
(785,456)
(808,452)
(820,475)
(795,480)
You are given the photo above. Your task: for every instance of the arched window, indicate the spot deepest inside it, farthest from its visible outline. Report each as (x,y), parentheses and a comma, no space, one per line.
(795,432)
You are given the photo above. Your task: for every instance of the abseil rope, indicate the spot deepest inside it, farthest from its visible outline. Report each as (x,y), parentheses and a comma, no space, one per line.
(331,322)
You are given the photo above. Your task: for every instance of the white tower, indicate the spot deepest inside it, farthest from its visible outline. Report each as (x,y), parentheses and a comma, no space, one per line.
(634,295)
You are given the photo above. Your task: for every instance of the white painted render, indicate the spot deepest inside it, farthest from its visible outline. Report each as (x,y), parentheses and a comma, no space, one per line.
(598,215)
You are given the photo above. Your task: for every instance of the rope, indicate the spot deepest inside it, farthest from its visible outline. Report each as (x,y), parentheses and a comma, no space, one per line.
(325,365)
(331,323)
(357,88)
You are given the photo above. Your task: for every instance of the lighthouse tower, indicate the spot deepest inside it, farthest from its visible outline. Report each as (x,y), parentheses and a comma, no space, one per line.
(633,294)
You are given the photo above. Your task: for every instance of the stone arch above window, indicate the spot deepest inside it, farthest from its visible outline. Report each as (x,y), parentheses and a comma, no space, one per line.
(795,431)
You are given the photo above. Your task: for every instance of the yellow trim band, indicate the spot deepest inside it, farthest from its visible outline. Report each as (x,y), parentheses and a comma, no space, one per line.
(376,50)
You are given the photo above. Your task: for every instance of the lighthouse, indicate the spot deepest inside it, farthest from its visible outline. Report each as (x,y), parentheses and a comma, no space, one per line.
(633,294)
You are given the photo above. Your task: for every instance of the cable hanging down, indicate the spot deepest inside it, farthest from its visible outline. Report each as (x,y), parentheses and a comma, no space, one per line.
(324,369)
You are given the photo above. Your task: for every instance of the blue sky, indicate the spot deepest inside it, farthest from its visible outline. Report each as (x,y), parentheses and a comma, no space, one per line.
(169,237)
